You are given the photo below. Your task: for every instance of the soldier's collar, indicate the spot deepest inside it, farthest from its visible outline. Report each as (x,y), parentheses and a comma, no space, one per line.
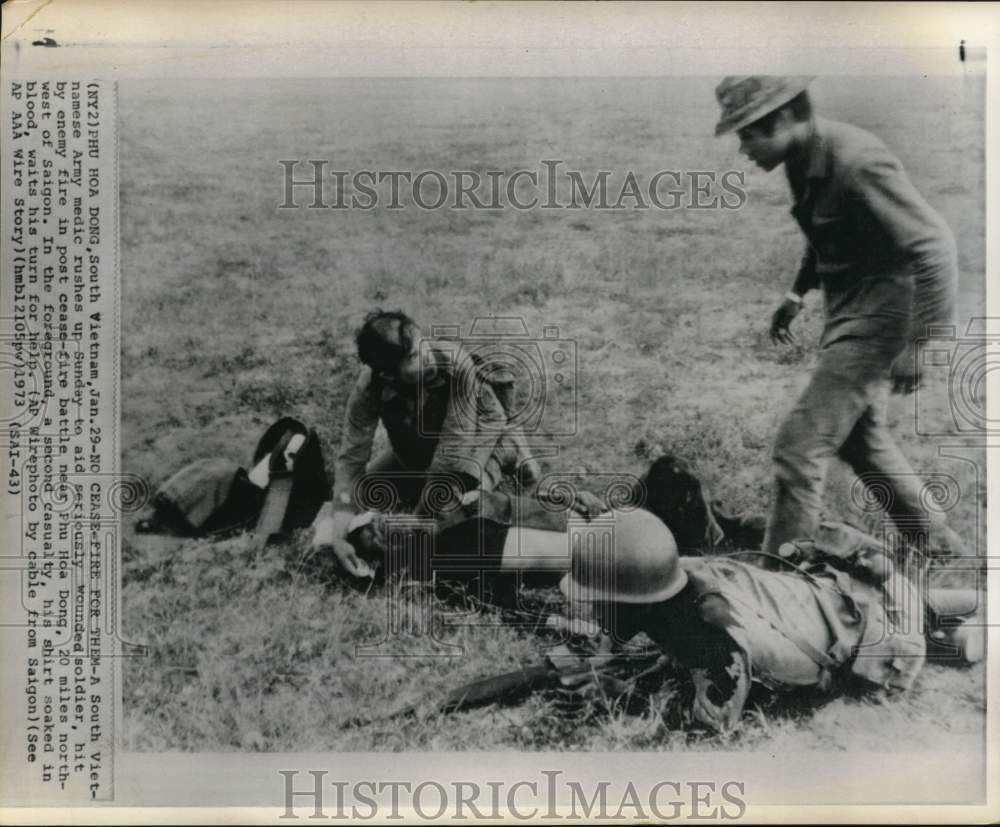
(816,158)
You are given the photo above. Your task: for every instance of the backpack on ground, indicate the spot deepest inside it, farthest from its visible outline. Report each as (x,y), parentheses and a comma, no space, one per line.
(283,491)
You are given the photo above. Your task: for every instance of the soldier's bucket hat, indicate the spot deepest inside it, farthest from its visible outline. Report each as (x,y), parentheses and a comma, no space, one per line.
(748,98)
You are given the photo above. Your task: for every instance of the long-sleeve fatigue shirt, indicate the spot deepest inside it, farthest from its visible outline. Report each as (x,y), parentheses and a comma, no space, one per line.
(885,259)
(800,630)
(450,425)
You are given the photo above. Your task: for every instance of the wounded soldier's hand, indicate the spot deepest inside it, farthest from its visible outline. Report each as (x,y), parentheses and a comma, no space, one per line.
(718,700)
(328,537)
(583,694)
(349,559)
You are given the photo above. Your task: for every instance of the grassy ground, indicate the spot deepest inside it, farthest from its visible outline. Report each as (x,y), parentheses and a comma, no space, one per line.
(236,312)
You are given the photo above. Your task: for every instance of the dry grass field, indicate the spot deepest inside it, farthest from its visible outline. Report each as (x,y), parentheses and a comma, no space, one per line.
(235,312)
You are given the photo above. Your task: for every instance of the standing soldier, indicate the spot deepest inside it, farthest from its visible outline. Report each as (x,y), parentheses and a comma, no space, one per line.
(886,263)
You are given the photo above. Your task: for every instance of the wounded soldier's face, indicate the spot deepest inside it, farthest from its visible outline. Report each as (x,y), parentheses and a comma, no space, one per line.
(365,543)
(374,533)
(367,535)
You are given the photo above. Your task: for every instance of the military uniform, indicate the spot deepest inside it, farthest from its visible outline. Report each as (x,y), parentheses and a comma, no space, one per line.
(811,629)
(886,263)
(453,426)
(843,613)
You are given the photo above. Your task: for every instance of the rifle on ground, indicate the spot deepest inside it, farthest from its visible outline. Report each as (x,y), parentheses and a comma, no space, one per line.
(563,669)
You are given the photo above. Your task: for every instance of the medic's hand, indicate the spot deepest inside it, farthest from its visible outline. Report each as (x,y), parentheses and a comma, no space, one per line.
(905,371)
(780,321)
(443,493)
(588,505)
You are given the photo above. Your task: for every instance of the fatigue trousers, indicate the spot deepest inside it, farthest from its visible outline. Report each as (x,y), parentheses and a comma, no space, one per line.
(842,413)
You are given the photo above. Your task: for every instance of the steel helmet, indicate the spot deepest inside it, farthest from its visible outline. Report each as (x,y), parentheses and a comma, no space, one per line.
(624,556)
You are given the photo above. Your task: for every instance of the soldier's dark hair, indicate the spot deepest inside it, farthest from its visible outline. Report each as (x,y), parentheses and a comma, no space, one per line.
(385,338)
(800,108)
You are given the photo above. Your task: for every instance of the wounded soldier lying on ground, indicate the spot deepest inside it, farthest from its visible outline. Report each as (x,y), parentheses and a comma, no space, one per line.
(668,489)
(842,611)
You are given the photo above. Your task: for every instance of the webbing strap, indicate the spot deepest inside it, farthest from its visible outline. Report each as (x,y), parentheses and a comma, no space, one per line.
(272,515)
(817,656)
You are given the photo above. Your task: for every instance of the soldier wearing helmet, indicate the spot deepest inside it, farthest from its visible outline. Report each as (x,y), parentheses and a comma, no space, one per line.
(843,614)
(733,623)
(886,263)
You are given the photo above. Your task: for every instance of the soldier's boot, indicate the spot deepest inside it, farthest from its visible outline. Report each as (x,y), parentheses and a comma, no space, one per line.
(956,625)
